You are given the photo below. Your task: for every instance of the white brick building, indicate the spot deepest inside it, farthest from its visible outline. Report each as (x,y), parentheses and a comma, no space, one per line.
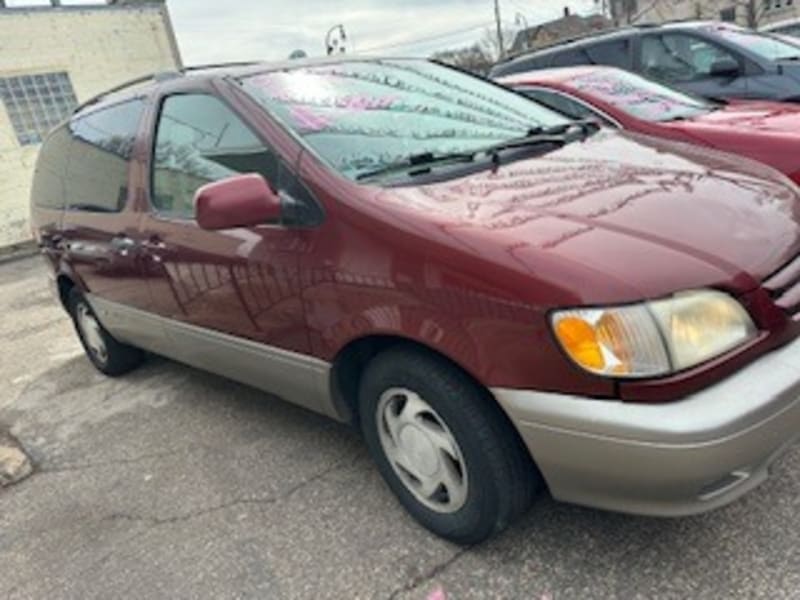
(744,12)
(53,57)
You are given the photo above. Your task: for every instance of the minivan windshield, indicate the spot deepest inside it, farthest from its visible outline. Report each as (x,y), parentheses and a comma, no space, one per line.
(364,115)
(766,46)
(640,97)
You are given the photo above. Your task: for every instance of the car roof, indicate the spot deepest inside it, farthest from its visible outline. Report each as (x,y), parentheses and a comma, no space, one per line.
(147,83)
(554,75)
(780,24)
(604,36)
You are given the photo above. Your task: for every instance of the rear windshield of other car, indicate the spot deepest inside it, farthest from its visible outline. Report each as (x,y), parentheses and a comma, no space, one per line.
(639,97)
(766,46)
(364,115)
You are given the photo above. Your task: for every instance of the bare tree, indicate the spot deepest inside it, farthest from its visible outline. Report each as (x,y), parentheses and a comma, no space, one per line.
(472,58)
(490,44)
(480,56)
(753,11)
(625,12)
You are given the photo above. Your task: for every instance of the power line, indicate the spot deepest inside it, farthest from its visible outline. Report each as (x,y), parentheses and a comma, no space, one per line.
(432,38)
(518,6)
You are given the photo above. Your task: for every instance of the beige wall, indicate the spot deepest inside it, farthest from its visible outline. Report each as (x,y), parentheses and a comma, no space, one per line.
(99,47)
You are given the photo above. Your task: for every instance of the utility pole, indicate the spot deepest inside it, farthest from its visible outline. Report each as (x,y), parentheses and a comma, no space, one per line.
(501,47)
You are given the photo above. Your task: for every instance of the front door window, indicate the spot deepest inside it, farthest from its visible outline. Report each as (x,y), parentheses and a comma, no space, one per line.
(200,140)
(680,58)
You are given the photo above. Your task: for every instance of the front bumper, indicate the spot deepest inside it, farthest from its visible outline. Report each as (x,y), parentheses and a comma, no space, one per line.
(674,459)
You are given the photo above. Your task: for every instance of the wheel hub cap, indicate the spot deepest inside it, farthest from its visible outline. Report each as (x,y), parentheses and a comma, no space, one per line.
(90,329)
(422,450)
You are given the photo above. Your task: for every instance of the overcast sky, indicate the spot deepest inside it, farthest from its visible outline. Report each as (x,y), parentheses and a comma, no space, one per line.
(219,30)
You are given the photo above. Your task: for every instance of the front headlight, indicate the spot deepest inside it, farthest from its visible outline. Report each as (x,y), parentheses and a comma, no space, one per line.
(653,338)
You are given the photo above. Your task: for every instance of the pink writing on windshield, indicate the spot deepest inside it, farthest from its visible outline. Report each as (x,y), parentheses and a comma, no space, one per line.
(305,118)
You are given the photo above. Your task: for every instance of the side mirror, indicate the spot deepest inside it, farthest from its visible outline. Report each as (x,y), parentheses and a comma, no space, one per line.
(725,67)
(241,201)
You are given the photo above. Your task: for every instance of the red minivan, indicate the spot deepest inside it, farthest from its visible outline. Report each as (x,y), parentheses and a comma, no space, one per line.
(501,299)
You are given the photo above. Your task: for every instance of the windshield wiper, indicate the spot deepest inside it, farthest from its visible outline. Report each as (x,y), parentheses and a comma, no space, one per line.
(417,164)
(558,135)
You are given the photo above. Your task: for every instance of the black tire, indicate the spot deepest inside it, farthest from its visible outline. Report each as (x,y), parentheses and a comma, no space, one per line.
(502,480)
(117,358)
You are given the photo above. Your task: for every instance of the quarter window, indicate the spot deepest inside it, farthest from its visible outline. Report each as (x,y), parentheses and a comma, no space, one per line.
(102,143)
(111,130)
(679,57)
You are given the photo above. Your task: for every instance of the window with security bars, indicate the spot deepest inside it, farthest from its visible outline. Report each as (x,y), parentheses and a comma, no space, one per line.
(37,103)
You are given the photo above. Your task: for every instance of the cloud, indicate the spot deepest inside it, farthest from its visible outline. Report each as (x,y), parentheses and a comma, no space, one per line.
(214,31)
(210,31)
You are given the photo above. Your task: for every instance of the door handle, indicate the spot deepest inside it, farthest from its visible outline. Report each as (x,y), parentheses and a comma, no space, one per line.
(123,244)
(154,243)
(154,246)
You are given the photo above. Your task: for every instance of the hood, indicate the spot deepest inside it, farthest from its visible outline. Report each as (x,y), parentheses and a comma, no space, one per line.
(768,132)
(619,217)
(771,117)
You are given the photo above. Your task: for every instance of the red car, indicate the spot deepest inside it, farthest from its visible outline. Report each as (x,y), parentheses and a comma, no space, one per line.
(768,132)
(499,298)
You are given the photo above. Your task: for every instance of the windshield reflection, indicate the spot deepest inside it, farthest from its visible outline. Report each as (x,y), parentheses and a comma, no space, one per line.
(640,97)
(362,115)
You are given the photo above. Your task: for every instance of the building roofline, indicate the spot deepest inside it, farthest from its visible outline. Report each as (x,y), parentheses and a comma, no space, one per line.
(159,6)
(77,8)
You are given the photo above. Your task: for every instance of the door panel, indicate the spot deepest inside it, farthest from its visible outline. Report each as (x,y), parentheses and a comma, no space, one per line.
(100,230)
(241,281)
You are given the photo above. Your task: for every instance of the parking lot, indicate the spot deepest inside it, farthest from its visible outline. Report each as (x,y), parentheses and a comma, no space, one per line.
(172,483)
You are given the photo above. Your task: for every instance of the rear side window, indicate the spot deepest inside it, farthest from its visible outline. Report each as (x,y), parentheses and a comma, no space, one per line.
(561,103)
(520,65)
(613,53)
(571,57)
(793,30)
(51,170)
(102,143)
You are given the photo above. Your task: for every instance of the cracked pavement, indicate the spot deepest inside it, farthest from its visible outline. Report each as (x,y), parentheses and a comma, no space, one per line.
(173,483)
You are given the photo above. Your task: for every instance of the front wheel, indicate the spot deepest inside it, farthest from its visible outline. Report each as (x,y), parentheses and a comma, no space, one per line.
(107,354)
(444,446)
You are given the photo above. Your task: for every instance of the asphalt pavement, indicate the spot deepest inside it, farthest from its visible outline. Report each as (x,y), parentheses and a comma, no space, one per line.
(173,483)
